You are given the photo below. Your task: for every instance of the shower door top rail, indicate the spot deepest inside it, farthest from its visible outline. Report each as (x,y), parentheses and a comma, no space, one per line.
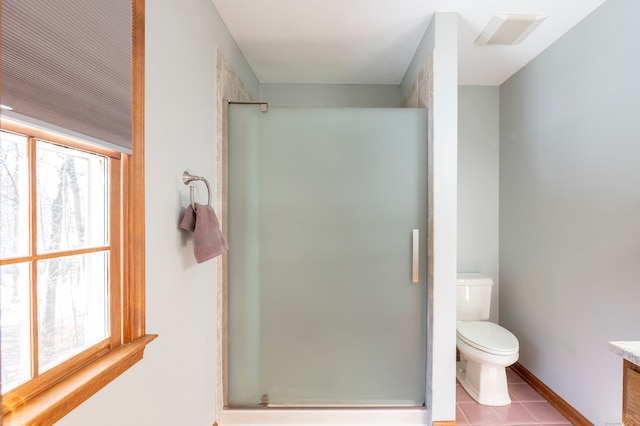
(264,106)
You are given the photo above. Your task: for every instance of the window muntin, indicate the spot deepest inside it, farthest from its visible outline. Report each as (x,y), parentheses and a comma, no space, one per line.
(57,297)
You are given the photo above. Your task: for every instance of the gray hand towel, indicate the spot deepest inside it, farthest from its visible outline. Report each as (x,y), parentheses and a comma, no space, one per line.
(208,241)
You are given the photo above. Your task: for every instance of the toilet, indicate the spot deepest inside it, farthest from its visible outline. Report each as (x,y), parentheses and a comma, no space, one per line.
(486,349)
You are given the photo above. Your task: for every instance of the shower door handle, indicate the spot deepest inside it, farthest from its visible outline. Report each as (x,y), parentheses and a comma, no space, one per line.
(415,266)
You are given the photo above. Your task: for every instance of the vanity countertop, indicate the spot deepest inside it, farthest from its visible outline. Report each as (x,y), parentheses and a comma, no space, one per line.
(627,350)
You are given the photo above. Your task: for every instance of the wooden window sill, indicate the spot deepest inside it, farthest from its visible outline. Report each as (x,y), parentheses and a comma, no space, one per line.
(49,406)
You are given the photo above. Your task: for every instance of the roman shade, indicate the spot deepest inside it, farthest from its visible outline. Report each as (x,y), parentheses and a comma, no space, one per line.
(68,63)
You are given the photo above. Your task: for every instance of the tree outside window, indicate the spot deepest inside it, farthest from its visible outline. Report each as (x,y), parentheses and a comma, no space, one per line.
(55,255)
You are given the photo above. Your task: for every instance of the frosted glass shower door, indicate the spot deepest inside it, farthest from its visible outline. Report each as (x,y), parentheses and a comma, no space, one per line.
(323,204)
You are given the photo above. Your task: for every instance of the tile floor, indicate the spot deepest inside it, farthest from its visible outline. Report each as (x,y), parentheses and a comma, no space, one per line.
(527,407)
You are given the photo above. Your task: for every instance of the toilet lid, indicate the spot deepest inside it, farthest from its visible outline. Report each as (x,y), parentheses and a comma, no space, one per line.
(488,337)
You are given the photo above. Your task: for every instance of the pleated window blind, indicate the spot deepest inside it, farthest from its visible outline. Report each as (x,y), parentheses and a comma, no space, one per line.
(68,63)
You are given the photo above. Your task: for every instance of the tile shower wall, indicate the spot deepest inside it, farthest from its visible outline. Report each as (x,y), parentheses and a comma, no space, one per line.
(419,94)
(229,86)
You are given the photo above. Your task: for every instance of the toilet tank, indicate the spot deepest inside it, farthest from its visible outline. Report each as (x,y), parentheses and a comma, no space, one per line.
(473,297)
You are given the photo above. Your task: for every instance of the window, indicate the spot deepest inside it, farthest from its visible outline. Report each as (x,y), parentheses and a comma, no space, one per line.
(67,297)
(60,256)
(74,297)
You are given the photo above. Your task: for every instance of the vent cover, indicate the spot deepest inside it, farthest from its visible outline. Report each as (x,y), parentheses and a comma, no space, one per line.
(509,29)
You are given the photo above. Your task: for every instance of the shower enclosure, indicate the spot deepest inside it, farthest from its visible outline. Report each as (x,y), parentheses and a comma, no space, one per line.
(327,230)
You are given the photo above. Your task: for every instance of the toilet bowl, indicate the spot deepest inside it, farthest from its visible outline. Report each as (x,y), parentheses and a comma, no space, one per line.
(486,348)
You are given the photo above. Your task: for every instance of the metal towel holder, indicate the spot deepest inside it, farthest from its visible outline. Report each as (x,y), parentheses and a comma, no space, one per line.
(187,178)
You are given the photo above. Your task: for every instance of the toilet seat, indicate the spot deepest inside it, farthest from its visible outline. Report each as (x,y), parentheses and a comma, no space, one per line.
(487,337)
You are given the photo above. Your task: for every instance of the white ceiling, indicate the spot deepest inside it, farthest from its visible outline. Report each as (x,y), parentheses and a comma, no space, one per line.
(373,41)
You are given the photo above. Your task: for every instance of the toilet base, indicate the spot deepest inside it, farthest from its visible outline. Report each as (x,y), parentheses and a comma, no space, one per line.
(485,383)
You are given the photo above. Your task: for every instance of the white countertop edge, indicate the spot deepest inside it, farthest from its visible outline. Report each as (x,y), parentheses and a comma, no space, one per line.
(627,350)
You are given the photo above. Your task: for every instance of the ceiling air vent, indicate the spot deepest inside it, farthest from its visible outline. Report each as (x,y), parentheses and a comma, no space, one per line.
(509,29)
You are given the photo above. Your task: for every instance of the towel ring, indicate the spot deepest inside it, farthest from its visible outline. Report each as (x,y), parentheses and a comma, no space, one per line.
(187,178)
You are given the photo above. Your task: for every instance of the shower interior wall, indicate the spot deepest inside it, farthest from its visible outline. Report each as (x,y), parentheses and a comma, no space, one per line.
(331,95)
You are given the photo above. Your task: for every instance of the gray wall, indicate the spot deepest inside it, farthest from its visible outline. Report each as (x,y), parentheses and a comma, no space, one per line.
(331,95)
(478,145)
(175,382)
(570,208)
